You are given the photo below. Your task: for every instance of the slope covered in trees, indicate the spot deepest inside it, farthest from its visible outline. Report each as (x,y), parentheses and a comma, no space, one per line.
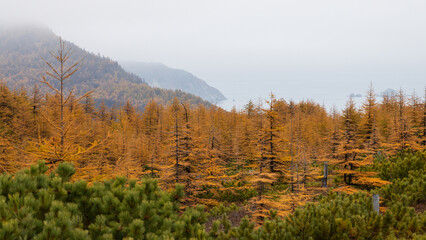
(159,75)
(21,50)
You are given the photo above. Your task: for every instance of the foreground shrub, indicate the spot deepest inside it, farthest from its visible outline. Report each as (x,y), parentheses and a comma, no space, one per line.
(34,205)
(37,205)
(335,216)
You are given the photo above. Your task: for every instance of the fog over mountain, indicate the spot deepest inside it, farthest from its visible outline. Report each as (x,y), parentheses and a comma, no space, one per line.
(159,75)
(323,50)
(23,48)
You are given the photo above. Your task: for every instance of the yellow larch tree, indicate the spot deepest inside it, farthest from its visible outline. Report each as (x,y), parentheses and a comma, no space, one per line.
(61,117)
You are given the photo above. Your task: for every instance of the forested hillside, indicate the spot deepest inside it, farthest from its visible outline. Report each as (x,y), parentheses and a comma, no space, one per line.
(159,75)
(23,49)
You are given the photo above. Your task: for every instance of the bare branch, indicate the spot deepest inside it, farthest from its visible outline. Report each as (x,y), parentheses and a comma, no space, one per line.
(56,77)
(67,53)
(69,96)
(48,84)
(50,66)
(84,95)
(73,66)
(69,74)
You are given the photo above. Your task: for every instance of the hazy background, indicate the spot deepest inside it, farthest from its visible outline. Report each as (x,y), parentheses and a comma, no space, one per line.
(323,50)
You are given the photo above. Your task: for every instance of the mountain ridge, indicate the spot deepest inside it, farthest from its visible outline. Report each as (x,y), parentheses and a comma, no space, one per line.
(159,75)
(21,65)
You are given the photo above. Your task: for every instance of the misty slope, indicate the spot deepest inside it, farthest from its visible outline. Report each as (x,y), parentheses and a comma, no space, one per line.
(21,67)
(159,75)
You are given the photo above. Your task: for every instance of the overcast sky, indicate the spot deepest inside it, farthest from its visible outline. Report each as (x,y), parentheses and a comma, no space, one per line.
(298,49)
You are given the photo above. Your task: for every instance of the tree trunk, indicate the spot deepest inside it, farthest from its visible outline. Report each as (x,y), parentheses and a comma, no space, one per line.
(324,179)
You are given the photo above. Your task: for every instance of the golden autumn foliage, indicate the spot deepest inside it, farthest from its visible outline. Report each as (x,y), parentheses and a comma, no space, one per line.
(269,150)
(266,155)
(270,157)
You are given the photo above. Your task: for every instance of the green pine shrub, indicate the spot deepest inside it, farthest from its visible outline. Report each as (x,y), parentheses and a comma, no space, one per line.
(400,165)
(36,205)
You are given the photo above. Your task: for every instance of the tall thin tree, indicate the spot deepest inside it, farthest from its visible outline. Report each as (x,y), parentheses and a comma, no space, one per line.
(61,75)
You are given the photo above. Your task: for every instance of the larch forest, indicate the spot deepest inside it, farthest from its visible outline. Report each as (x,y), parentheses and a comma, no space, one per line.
(72,168)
